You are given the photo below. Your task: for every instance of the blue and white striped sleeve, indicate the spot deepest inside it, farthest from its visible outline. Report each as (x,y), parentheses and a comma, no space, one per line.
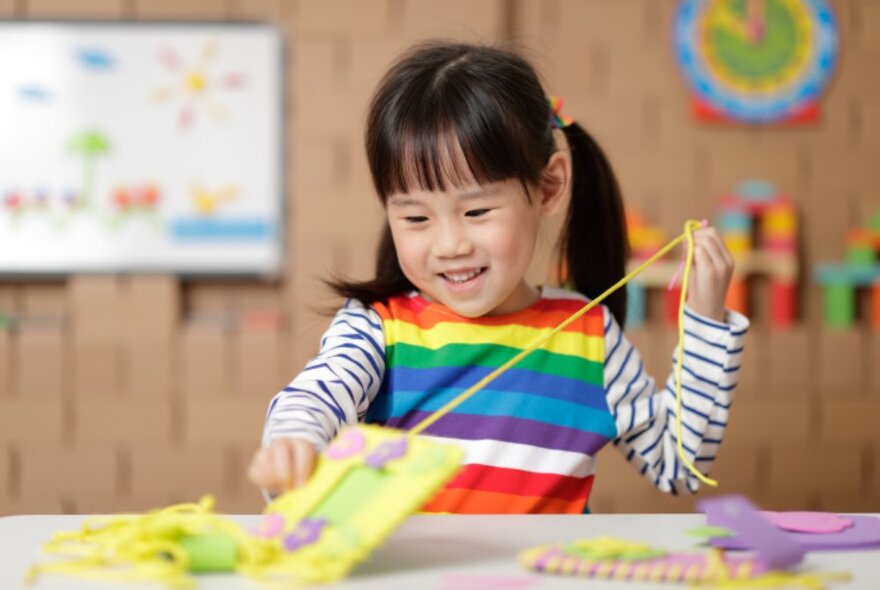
(645,415)
(337,386)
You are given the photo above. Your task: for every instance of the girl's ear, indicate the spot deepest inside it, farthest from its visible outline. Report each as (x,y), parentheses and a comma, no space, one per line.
(556,184)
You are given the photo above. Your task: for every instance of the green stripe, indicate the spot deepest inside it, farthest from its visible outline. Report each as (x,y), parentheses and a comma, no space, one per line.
(494,355)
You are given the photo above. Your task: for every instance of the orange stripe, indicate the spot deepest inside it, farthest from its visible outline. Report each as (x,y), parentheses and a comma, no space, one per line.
(550,314)
(463,501)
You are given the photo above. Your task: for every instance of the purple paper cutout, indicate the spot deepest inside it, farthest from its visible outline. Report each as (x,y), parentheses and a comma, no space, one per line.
(386,452)
(863,534)
(771,545)
(306,532)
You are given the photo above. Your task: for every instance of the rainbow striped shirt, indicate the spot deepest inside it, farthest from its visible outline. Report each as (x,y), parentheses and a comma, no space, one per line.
(531,436)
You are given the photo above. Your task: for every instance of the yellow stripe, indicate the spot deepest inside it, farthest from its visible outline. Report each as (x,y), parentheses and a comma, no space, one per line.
(568,343)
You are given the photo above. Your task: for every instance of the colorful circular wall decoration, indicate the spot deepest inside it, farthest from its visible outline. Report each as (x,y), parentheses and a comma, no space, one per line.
(756,61)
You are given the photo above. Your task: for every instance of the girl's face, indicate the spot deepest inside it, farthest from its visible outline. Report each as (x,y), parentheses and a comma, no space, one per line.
(468,248)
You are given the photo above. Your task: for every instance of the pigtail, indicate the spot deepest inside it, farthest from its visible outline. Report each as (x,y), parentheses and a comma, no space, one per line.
(593,245)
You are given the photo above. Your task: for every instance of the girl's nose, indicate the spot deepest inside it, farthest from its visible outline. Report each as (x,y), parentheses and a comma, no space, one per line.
(452,242)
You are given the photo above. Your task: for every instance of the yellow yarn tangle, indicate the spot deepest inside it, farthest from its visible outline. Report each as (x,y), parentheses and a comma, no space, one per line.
(147,547)
(688,235)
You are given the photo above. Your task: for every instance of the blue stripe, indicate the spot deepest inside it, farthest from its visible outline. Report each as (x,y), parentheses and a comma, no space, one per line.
(616,344)
(699,377)
(369,358)
(514,380)
(703,340)
(705,322)
(687,407)
(702,358)
(628,387)
(622,366)
(690,389)
(510,404)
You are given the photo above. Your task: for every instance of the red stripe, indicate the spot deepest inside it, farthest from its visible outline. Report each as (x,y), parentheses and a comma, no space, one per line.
(522,483)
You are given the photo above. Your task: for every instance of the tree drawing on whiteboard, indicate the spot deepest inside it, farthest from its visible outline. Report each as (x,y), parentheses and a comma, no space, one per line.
(195,85)
(89,144)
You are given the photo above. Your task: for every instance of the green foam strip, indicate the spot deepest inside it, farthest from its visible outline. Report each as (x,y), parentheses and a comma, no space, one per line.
(212,552)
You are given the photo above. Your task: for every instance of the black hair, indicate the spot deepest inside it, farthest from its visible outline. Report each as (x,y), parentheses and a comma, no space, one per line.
(490,101)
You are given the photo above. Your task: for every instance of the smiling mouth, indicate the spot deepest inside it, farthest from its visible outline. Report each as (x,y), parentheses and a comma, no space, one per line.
(459,278)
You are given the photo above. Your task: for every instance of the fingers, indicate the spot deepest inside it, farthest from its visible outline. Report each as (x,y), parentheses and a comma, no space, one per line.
(284,464)
(304,463)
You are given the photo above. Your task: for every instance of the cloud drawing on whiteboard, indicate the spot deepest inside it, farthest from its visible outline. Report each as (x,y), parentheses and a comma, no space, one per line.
(34,93)
(94,59)
(195,86)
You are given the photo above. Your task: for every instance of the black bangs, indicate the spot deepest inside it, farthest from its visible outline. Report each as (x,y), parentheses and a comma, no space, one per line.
(452,124)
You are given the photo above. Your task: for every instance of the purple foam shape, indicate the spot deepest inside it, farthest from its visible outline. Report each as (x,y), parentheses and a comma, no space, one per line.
(863,534)
(306,532)
(385,452)
(771,545)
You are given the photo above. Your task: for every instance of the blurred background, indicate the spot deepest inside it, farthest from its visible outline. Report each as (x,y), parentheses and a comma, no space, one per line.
(128,391)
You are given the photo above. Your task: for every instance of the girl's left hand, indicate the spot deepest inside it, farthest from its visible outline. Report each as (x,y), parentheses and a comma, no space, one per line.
(710,275)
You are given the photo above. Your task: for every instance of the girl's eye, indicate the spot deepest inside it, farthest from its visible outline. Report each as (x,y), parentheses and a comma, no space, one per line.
(477,212)
(416,219)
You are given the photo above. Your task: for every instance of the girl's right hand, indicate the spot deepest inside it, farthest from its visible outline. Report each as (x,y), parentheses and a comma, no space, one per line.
(286,463)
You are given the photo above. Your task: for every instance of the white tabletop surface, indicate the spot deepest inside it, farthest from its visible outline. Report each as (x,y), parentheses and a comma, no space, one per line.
(442,552)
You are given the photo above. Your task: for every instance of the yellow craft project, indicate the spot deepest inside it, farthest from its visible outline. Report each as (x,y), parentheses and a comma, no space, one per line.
(365,484)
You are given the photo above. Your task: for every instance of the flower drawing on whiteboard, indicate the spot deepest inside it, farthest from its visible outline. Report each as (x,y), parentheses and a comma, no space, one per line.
(195,86)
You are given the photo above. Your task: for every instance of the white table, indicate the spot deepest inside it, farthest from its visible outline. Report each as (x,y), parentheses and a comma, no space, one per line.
(442,552)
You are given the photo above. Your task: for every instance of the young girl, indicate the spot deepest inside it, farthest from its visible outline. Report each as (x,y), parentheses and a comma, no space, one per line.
(468,158)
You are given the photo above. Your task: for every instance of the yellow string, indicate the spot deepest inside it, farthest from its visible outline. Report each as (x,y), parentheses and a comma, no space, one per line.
(689,228)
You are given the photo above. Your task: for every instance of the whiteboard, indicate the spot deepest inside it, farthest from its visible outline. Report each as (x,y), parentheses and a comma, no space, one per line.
(141,147)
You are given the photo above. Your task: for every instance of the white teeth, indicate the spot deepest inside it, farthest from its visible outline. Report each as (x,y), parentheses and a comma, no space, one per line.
(461,277)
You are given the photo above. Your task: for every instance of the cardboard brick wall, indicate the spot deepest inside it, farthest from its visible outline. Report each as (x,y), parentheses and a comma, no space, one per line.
(125,393)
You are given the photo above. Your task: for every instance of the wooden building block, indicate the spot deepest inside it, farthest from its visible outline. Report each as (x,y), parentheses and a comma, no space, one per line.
(153,306)
(7,363)
(95,307)
(59,9)
(43,300)
(838,305)
(348,18)
(92,471)
(424,19)
(841,362)
(41,361)
(150,369)
(635,305)
(174,10)
(823,470)
(738,297)
(875,307)
(791,364)
(8,474)
(259,353)
(29,421)
(223,422)
(35,503)
(96,370)
(849,422)
(206,361)
(671,304)
(783,304)
(111,421)
(768,422)
(177,475)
